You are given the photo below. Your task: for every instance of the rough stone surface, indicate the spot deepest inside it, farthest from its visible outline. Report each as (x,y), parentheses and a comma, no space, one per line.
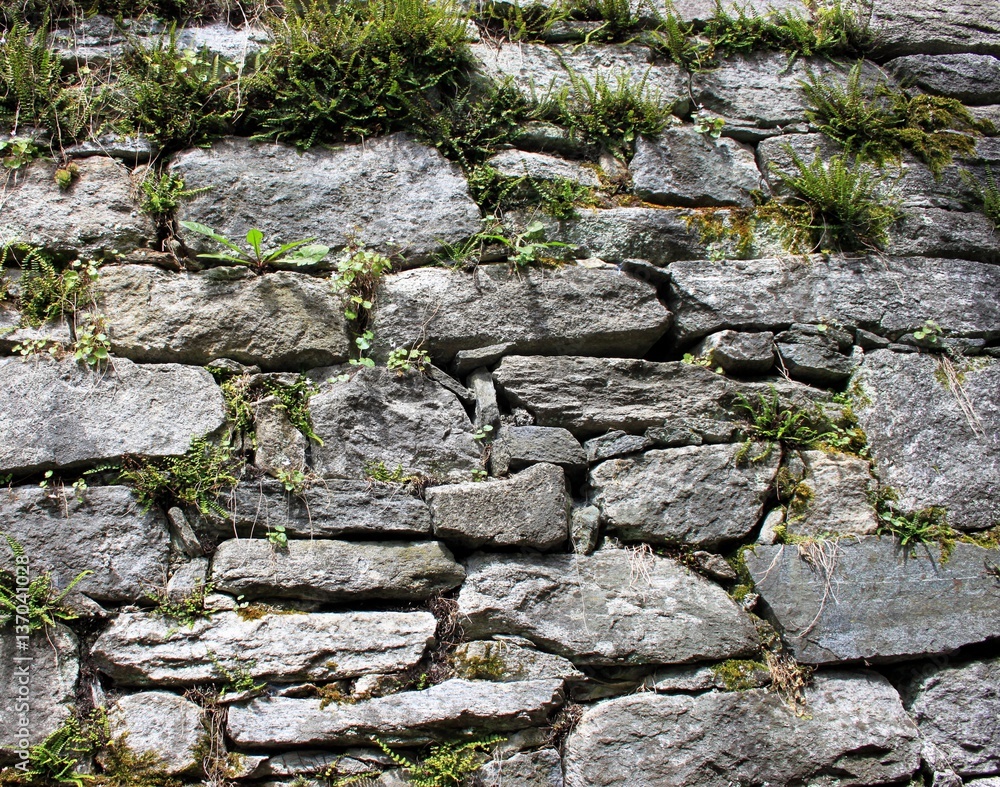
(13,333)
(929,448)
(333,570)
(504,661)
(813,356)
(127,409)
(321,510)
(738,353)
(52,690)
(585,528)
(683,167)
(856,728)
(958,709)
(972,79)
(616,443)
(901,27)
(127,550)
(869,599)
(390,194)
(573,310)
(593,395)
(169,727)
(416,716)
(833,496)
(280,447)
(615,606)
(278,321)
(696,495)
(92,218)
(935,232)
(517,447)
(531,509)
(140,649)
(889,295)
(542,768)
(376,416)
(517,163)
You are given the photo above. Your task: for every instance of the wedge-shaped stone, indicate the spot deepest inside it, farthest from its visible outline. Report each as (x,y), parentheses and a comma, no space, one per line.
(170,728)
(331,508)
(934,444)
(958,709)
(33,711)
(697,495)
(415,716)
(530,509)
(854,733)
(833,497)
(126,550)
(572,310)
(376,416)
(615,606)
(278,321)
(889,296)
(869,599)
(140,649)
(70,416)
(95,216)
(538,166)
(390,194)
(902,27)
(591,396)
(334,570)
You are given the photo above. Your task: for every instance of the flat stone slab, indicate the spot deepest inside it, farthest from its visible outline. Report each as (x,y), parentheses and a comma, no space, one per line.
(972,79)
(889,296)
(855,726)
(171,728)
(413,716)
(101,416)
(869,599)
(957,708)
(332,570)
(141,649)
(934,444)
(278,321)
(323,510)
(571,310)
(683,167)
(390,194)
(126,550)
(52,661)
(833,497)
(517,447)
(902,27)
(591,396)
(377,416)
(530,509)
(697,495)
(612,607)
(542,768)
(95,216)
(538,166)
(503,661)
(935,232)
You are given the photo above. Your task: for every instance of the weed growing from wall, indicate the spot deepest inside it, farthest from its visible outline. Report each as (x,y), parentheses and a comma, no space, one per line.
(447,764)
(987,194)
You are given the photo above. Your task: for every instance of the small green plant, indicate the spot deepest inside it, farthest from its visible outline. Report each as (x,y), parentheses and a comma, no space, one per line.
(187,610)
(18,152)
(238,679)
(277,536)
(987,193)
(709,125)
(65,176)
(613,113)
(739,674)
(877,122)
(529,247)
(919,527)
(702,361)
(162,194)
(928,332)
(378,472)
(197,478)
(293,481)
(767,420)
(835,205)
(48,292)
(45,603)
(295,254)
(56,759)
(29,76)
(403,360)
(482,432)
(447,764)
(92,345)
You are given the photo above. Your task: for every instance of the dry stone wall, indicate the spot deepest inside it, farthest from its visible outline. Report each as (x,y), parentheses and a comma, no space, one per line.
(677,510)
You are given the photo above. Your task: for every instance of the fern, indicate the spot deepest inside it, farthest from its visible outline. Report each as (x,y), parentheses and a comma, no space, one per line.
(29,76)
(44,601)
(987,194)
(447,765)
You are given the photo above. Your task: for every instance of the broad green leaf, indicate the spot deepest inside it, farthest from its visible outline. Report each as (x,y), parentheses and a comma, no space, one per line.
(255,237)
(203,229)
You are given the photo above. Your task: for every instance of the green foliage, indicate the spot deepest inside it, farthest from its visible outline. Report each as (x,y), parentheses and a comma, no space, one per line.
(29,77)
(92,345)
(294,481)
(919,527)
(356,280)
(45,602)
(613,114)
(928,332)
(987,194)
(277,536)
(767,420)
(188,609)
(358,68)
(877,122)
(378,472)
(238,679)
(18,152)
(447,764)
(835,205)
(739,674)
(530,247)
(259,259)
(197,478)
(404,360)
(179,97)
(48,292)
(56,759)
(162,194)
(495,193)
(521,23)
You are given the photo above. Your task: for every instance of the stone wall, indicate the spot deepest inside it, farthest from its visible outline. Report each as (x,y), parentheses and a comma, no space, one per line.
(566,530)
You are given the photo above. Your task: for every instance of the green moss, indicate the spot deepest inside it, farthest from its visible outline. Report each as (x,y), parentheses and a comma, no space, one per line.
(739,674)
(489,666)
(745,584)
